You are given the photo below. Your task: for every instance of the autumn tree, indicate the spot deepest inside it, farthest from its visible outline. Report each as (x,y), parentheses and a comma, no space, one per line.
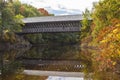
(25,10)
(10,22)
(106,33)
(108,40)
(103,13)
(86,24)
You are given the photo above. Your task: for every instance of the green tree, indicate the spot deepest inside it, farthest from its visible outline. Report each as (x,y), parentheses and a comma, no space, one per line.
(86,24)
(103,13)
(28,11)
(106,17)
(10,22)
(25,10)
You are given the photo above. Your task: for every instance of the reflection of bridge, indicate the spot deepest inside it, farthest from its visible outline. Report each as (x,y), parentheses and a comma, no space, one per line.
(54,65)
(54,73)
(69,23)
(50,62)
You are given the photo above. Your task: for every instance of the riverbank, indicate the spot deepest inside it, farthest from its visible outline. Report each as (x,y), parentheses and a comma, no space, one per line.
(8,46)
(19,43)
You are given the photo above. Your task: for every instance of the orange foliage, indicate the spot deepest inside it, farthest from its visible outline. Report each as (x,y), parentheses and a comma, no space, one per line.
(43,11)
(109,44)
(22,9)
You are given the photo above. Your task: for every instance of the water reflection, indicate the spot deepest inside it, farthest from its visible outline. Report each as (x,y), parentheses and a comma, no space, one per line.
(53,52)
(8,65)
(64,78)
(16,64)
(52,58)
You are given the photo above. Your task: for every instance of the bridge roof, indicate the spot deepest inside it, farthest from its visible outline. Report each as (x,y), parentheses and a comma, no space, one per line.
(53,18)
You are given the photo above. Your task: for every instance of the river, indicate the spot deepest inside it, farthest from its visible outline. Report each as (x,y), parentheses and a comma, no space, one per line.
(50,62)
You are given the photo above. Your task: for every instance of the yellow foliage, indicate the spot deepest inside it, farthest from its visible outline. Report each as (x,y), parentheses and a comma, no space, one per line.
(5,31)
(109,39)
(104,41)
(118,25)
(118,36)
(6,37)
(114,63)
(115,31)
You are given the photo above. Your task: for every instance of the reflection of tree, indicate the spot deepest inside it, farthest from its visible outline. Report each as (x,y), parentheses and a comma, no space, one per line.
(86,56)
(9,66)
(35,77)
(56,57)
(53,52)
(105,76)
(1,65)
(52,38)
(61,52)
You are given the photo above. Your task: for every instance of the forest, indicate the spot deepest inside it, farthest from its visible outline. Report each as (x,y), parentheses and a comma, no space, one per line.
(103,33)
(14,11)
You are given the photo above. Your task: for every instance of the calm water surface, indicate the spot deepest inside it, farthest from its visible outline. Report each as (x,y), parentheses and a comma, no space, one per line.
(46,62)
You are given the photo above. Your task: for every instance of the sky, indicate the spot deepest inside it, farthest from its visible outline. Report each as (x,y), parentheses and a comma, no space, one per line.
(64,78)
(62,7)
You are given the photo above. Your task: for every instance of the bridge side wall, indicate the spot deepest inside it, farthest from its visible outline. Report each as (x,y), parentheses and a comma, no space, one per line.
(63,26)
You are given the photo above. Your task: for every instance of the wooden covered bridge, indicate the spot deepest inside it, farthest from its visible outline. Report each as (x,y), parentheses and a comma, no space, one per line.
(69,23)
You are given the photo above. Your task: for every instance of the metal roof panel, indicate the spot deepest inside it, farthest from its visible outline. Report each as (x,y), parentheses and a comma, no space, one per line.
(53,18)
